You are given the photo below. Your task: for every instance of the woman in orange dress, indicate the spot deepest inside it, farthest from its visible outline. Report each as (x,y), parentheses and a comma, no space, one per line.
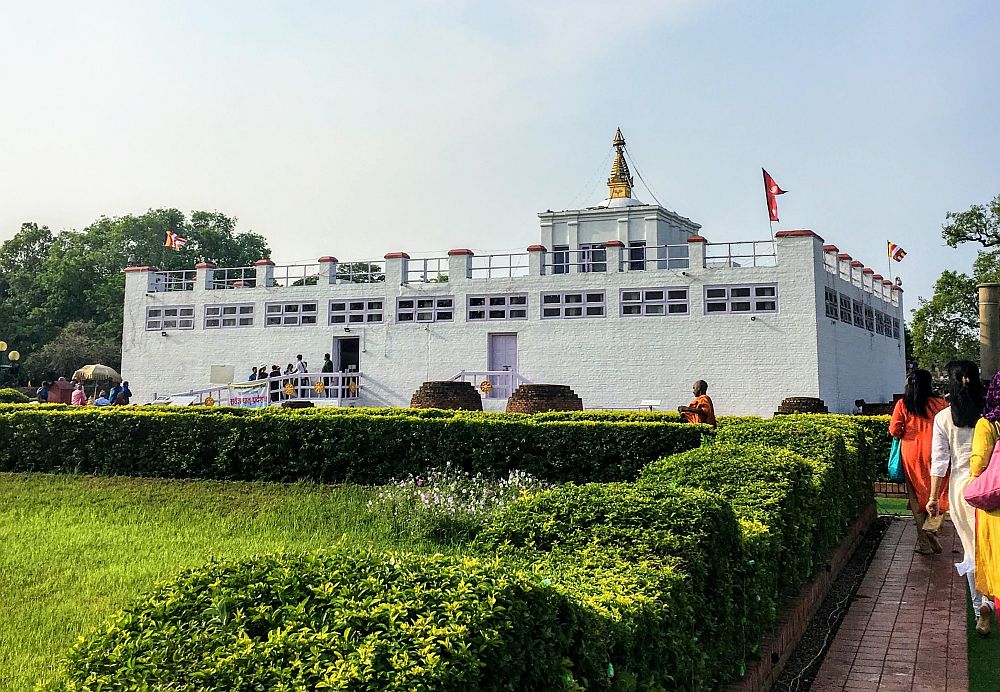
(913,423)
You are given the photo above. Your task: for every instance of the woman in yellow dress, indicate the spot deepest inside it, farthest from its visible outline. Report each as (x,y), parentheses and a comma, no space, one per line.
(987,523)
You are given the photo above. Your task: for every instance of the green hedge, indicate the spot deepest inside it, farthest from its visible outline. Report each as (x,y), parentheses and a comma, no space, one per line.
(403,623)
(359,448)
(12,396)
(636,524)
(771,492)
(667,583)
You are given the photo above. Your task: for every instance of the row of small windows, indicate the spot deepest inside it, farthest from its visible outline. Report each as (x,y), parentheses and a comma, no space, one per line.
(849,311)
(633,302)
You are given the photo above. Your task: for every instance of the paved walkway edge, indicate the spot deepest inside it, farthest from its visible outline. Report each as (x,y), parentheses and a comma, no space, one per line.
(796,616)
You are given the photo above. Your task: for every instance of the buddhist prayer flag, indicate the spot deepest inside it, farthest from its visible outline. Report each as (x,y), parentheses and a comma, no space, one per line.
(174,241)
(896,252)
(771,191)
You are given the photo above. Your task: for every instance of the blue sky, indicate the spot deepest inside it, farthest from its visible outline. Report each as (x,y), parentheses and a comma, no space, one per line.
(356,129)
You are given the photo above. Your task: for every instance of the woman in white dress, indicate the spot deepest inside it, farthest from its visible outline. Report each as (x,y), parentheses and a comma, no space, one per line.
(951,448)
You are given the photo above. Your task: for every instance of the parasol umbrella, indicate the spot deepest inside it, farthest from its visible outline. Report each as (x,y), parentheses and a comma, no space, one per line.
(97,374)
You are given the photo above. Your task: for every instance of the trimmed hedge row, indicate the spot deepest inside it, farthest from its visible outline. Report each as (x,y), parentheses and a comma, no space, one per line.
(670,582)
(288,446)
(12,396)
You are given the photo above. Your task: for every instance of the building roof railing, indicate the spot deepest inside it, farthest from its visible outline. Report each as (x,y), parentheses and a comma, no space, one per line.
(751,253)
(612,256)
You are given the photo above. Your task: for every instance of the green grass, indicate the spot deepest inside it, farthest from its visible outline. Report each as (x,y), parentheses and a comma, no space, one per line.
(891,505)
(75,549)
(984,652)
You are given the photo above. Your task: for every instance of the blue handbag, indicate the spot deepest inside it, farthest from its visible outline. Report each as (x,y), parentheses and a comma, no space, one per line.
(896,473)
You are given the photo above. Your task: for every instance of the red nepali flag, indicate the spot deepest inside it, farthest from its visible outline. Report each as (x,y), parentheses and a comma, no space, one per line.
(771,191)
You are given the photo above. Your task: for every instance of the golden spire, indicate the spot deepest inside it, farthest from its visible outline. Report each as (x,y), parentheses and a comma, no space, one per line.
(620,182)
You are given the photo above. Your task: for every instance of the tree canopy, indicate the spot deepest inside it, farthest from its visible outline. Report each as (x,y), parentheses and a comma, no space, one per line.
(946,326)
(61,294)
(979,223)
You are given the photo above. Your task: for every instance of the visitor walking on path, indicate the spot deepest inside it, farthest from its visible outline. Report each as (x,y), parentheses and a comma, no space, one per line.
(913,423)
(987,523)
(701,409)
(950,453)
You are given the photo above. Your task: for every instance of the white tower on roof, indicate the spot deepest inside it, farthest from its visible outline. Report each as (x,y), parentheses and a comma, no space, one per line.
(621,217)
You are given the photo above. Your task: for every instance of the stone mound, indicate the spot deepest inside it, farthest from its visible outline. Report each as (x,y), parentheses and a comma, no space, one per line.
(447,394)
(538,398)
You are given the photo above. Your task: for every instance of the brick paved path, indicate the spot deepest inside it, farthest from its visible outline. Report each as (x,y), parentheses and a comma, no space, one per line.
(906,629)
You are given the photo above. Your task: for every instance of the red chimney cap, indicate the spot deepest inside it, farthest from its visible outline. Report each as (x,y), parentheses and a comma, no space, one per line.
(264,263)
(328,258)
(866,270)
(614,243)
(696,239)
(800,233)
(147,268)
(856,263)
(204,265)
(831,248)
(460,251)
(396,255)
(536,248)
(877,277)
(844,256)
(886,282)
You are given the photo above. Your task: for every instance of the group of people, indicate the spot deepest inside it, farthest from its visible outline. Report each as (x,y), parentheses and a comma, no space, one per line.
(299,366)
(120,395)
(945,444)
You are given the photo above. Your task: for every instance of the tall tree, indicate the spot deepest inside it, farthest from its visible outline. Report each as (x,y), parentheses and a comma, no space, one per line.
(946,326)
(980,223)
(48,281)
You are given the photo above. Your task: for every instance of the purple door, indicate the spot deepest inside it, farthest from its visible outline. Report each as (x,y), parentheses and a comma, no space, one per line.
(502,359)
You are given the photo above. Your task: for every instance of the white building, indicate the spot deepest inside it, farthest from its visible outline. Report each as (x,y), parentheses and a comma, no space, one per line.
(623,301)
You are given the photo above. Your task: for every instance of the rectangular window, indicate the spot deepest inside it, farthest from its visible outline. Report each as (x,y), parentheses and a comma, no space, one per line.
(845,309)
(745,299)
(895,328)
(425,309)
(560,259)
(593,257)
(166,319)
(859,315)
(636,255)
(572,305)
(357,311)
(500,306)
(227,316)
(880,323)
(832,303)
(649,302)
(290,314)
(869,318)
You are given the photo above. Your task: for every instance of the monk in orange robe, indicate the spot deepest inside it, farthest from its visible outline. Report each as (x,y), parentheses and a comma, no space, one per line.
(701,410)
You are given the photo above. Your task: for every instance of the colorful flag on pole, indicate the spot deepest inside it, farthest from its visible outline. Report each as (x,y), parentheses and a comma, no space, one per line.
(771,191)
(896,252)
(174,241)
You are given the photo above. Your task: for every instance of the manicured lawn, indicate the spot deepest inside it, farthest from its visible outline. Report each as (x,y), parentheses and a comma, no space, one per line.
(892,505)
(75,549)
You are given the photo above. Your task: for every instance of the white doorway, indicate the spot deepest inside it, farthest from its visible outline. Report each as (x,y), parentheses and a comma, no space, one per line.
(502,363)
